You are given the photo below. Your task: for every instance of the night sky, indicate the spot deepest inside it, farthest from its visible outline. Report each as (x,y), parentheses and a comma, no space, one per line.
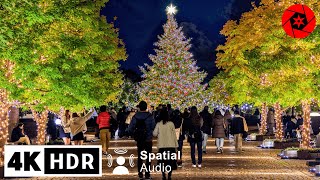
(140,22)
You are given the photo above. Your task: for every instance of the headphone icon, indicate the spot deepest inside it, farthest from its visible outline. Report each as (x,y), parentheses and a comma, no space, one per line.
(120,160)
(131,162)
(109,158)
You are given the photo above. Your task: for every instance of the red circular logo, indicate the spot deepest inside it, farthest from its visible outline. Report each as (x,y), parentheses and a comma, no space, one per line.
(298,21)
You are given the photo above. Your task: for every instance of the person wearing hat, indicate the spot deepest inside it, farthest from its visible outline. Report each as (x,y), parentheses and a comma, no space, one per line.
(142,126)
(18,135)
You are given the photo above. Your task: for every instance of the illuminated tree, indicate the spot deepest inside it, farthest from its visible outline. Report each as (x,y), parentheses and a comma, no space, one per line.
(58,53)
(275,68)
(129,95)
(174,77)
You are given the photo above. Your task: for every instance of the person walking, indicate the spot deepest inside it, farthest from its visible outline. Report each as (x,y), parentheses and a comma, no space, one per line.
(167,141)
(121,117)
(238,128)
(64,130)
(219,130)
(206,128)
(132,112)
(185,113)
(78,126)
(185,124)
(195,136)
(130,115)
(103,121)
(114,123)
(177,121)
(227,120)
(142,126)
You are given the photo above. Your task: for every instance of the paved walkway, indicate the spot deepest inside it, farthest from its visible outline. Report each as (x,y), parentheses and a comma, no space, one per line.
(254,163)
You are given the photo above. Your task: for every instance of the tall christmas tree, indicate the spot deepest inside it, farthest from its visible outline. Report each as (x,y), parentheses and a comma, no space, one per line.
(174,77)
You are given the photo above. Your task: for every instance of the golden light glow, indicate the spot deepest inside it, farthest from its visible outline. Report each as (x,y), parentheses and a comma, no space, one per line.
(278,118)
(7,66)
(263,128)
(306,125)
(41,120)
(171,10)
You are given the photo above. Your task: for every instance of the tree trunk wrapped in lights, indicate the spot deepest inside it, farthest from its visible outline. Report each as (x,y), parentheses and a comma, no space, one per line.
(4,106)
(279,129)
(306,125)
(263,127)
(41,119)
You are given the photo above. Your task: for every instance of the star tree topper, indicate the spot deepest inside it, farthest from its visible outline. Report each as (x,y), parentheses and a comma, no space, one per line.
(171,10)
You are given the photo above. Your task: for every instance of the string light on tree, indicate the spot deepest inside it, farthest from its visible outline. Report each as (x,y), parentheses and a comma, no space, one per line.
(306,125)
(42,120)
(174,77)
(7,67)
(263,128)
(277,116)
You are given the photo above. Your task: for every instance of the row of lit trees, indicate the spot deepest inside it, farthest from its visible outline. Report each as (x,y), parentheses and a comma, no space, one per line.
(263,65)
(56,54)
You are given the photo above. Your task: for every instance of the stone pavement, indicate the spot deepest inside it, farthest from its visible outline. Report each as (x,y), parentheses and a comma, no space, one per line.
(254,163)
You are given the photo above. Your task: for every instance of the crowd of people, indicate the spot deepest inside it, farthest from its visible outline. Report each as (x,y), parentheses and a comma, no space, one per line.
(170,127)
(292,124)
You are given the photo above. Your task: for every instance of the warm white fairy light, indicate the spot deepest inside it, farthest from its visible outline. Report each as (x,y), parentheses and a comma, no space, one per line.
(171,10)
(306,125)
(41,120)
(277,114)
(7,67)
(4,105)
(263,128)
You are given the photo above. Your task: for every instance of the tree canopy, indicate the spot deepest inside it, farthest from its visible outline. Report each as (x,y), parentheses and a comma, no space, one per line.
(263,63)
(63,53)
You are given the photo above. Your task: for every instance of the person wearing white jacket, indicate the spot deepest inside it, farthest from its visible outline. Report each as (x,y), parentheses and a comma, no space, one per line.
(167,140)
(65,127)
(78,126)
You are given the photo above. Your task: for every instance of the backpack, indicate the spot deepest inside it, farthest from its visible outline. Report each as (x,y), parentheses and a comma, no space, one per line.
(177,121)
(197,135)
(140,131)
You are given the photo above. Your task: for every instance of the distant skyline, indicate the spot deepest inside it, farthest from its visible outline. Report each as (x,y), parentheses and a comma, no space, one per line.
(140,22)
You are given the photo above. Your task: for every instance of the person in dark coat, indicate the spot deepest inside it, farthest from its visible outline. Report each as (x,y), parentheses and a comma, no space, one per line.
(185,124)
(185,113)
(121,117)
(219,127)
(299,121)
(18,135)
(227,119)
(114,122)
(170,110)
(143,117)
(206,128)
(290,127)
(157,113)
(195,136)
(238,128)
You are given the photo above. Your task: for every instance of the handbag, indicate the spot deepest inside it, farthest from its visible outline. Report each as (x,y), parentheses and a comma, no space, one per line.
(244,134)
(245,129)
